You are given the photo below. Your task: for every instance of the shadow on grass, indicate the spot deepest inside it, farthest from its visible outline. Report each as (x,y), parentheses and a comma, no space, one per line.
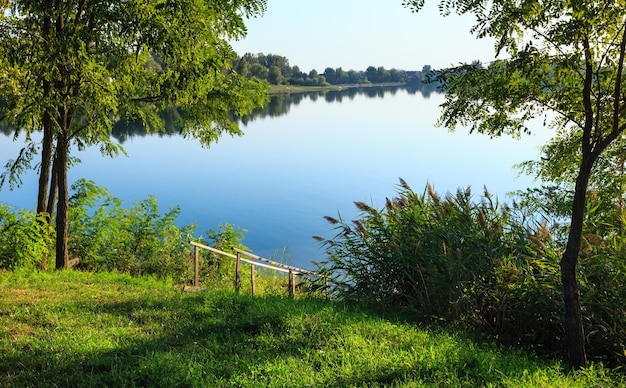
(220,339)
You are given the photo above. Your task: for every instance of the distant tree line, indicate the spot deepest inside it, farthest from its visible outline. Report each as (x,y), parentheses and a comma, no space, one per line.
(276,70)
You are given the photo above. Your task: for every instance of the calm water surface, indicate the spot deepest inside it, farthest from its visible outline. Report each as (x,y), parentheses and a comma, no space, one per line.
(298,162)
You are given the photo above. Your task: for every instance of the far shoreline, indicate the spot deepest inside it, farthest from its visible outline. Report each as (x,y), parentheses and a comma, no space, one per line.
(288,89)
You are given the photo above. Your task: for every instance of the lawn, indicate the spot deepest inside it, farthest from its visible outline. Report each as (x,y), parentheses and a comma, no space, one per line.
(71,328)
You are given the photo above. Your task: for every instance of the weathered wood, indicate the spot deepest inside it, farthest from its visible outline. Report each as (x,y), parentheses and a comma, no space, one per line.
(263,265)
(196,265)
(292,285)
(208,248)
(275,263)
(238,273)
(252,279)
(254,261)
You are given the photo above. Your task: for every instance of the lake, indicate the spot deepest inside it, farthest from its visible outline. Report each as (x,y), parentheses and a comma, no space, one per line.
(303,157)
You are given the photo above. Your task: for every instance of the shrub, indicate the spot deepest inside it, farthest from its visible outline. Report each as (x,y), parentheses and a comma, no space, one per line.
(139,240)
(24,239)
(216,268)
(475,264)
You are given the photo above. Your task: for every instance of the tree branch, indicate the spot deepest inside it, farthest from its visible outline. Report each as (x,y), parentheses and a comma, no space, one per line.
(587,90)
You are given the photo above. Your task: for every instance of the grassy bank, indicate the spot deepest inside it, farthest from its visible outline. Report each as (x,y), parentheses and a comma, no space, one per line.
(80,329)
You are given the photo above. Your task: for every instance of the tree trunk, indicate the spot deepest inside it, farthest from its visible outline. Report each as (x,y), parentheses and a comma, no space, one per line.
(52,196)
(44,176)
(44,173)
(46,152)
(569,262)
(62,216)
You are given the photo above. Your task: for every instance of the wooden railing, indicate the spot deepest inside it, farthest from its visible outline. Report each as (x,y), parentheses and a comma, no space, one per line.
(254,261)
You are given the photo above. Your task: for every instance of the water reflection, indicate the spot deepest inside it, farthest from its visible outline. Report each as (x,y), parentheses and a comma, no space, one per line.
(124,130)
(280,104)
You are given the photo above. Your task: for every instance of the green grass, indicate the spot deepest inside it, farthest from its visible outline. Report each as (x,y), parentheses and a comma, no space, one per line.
(80,329)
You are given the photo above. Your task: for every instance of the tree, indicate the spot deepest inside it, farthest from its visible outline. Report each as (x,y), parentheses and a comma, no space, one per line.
(330,75)
(396,75)
(355,77)
(566,58)
(256,70)
(275,76)
(371,73)
(72,68)
(383,75)
(243,67)
(341,76)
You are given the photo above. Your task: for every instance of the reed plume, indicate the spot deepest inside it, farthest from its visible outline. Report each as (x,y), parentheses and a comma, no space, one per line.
(362,206)
(331,220)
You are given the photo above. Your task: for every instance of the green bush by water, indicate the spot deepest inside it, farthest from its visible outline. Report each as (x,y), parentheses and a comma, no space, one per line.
(481,266)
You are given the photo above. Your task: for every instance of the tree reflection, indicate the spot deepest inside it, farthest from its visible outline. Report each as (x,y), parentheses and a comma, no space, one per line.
(280,104)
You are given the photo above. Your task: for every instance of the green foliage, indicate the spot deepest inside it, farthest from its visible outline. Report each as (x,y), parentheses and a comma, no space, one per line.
(104,236)
(219,269)
(602,267)
(71,69)
(276,70)
(603,276)
(24,239)
(78,329)
(479,265)
(564,60)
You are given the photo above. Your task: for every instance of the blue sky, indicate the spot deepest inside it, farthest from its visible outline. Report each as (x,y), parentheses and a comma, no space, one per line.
(354,34)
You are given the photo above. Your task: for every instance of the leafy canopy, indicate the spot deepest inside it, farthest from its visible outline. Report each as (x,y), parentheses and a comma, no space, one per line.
(106,60)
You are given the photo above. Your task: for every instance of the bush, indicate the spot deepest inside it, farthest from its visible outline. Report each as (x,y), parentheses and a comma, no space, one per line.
(140,241)
(603,293)
(24,239)
(472,264)
(216,268)
(483,267)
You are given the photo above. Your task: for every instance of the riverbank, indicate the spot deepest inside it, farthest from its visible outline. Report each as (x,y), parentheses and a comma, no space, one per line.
(288,89)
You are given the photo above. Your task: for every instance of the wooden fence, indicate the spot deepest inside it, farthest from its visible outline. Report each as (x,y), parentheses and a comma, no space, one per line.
(254,261)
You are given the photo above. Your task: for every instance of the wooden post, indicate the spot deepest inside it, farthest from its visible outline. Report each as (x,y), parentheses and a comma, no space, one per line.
(196,265)
(252,278)
(237,273)
(292,284)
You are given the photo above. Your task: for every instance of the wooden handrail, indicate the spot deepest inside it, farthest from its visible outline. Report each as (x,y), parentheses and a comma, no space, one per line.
(254,261)
(277,264)
(235,256)
(212,249)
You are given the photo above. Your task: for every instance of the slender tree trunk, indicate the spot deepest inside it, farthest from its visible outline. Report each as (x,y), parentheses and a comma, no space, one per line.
(44,173)
(44,177)
(62,215)
(46,152)
(52,196)
(569,263)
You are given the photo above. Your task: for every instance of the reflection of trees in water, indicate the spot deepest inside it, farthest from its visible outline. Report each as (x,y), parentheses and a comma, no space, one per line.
(6,130)
(278,105)
(124,130)
(281,104)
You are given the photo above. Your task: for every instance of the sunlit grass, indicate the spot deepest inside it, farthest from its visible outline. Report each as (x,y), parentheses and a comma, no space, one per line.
(80,329)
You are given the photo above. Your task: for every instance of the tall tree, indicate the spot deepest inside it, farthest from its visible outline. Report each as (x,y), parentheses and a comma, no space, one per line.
(71,68)
(371,73)
(330,75)
(566,57)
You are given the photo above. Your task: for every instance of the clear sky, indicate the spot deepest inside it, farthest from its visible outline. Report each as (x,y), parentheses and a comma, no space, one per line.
(354,34)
